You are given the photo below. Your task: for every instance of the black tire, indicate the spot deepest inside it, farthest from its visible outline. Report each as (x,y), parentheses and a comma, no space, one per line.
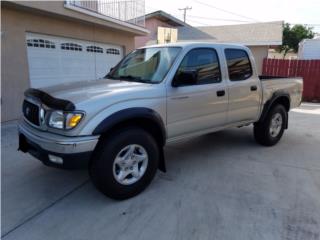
(101,167)
(262,129)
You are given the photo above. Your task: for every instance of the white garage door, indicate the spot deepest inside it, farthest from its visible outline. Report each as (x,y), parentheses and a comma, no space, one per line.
(55,60)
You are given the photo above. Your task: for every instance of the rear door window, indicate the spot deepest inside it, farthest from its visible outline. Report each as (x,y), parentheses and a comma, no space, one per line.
(239,66)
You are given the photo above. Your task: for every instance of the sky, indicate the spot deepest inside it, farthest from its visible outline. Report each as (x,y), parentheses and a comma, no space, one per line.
(209,13)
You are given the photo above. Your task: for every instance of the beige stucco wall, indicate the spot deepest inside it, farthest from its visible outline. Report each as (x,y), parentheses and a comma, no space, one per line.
(272,53)
(59,7)
(14,25)
(152,25)
(259,53)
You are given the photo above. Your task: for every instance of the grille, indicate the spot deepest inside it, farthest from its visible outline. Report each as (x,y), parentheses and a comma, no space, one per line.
(31,112)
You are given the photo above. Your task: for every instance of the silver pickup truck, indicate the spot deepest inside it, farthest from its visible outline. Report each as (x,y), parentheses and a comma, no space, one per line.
(117,126)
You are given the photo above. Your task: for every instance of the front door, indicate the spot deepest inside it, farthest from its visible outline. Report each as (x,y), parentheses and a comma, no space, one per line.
(202,104)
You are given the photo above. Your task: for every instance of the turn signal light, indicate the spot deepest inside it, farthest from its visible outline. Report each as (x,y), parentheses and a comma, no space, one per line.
(74,120)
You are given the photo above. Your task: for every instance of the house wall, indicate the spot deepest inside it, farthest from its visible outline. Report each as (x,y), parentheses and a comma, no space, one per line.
(14,25)
(259,53)
(152,25)
(272,53)
(61,9)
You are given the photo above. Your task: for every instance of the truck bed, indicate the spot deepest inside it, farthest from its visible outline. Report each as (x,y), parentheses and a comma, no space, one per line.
(290,85)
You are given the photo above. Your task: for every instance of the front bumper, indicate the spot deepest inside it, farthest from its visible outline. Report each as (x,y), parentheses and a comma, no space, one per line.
(75,152)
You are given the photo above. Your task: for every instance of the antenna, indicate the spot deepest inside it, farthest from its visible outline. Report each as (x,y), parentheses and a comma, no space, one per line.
(185,12)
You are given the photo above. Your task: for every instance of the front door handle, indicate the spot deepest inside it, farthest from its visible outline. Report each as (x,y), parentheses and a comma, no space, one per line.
(221,93)
(180,97)
(253,88)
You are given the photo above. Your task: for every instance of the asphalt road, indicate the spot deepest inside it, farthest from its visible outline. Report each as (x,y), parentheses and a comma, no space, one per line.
(218,186)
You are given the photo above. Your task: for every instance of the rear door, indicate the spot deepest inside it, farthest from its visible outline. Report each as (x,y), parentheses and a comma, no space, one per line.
(244,87)
(202,105)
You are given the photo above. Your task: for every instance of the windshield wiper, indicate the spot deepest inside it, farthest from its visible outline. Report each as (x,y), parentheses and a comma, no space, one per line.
(125,77)
(129,77)
(145,81)
(108,76)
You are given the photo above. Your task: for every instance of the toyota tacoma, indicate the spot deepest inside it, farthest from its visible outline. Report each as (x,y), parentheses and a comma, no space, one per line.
(117,127)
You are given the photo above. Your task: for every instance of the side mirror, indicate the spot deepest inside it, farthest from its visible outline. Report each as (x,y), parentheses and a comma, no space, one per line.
(185,78)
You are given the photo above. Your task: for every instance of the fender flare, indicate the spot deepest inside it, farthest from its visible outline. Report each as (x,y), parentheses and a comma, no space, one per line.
(127,114)
(268,105)
(131,113)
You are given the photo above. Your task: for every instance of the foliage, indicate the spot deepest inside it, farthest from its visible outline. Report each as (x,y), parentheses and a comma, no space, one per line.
(292,36)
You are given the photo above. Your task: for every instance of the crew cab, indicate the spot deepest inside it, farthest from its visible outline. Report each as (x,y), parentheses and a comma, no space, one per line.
(118,126)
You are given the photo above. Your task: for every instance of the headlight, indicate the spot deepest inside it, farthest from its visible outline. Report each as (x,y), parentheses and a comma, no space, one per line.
(64,120)
(56,120)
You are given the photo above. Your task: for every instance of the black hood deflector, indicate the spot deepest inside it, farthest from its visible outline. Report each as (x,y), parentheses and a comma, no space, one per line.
(51,102)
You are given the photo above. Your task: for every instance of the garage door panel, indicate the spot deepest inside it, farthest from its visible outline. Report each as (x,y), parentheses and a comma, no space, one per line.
(56,60)
(110,57)
(39,82)
(43,67)
(103,65)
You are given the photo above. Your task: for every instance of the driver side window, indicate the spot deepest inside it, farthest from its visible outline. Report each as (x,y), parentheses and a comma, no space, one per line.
(204,63)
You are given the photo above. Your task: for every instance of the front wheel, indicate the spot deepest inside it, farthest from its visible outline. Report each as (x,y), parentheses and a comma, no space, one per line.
(270,130)
(125,163)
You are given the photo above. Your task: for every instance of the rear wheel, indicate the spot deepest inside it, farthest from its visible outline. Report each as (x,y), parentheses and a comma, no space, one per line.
(125,163)
(270,130)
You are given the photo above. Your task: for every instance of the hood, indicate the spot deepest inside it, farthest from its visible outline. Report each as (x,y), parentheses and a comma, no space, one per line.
(78,92)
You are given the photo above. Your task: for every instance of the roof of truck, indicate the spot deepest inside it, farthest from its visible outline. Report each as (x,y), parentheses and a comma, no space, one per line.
(197,44)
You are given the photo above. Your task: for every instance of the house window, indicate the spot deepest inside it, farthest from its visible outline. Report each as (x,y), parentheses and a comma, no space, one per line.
(71,46)
(41,43)
(113,51)
(94,49)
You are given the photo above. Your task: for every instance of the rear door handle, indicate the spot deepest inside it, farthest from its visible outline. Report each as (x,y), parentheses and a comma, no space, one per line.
(253,88)
(221,93)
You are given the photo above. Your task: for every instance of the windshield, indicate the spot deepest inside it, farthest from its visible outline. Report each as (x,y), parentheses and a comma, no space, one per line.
(145,65)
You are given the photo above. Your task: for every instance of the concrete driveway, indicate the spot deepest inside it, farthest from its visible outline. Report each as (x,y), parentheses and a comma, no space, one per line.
(218,186)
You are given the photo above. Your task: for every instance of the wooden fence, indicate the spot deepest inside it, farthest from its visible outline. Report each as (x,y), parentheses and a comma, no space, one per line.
(308,69)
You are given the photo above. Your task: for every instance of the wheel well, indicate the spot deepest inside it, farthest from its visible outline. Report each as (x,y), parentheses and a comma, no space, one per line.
(283,100)
(148,125)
